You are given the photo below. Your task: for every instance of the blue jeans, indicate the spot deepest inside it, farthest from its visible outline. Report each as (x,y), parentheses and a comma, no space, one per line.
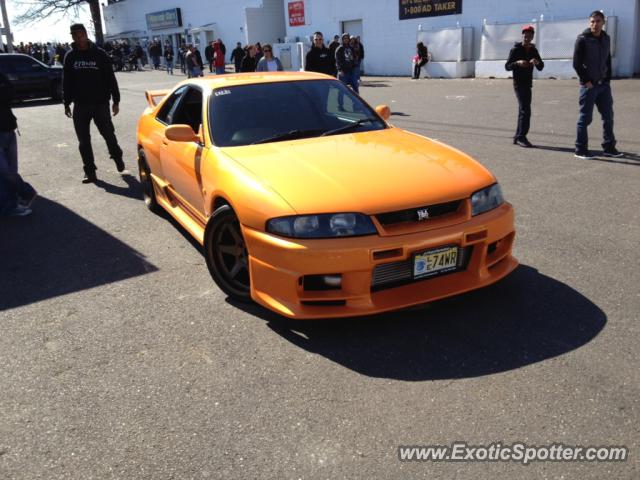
(220,70)
(600,96)
(12,186)
(169,66)
(349,78)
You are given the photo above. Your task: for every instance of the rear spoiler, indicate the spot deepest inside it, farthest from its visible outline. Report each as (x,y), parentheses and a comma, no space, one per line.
(154,96)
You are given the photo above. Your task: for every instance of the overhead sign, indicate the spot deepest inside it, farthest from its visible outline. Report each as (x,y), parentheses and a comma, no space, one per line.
(429,8)
(296,14)
(164,19)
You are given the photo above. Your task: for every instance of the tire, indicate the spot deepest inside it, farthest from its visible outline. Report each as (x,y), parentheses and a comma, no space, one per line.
(56,90)
(148,193)
(226,254)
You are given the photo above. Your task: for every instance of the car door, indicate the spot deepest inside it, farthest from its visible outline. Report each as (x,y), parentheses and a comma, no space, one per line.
(181,161)
(32,77)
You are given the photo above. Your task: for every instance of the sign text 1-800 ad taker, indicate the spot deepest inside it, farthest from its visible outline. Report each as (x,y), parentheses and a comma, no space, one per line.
(429,8)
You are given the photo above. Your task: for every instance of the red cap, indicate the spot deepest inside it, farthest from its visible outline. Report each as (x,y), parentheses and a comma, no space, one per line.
(528,28)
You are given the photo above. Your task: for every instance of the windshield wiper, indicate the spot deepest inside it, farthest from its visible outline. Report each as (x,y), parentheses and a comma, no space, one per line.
(293,134)
(349,127)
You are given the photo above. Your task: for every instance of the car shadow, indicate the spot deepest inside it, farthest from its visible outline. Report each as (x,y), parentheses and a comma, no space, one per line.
(526,318)
(54,252)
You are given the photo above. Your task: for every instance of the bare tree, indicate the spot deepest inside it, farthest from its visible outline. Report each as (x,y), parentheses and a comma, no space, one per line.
(36,10)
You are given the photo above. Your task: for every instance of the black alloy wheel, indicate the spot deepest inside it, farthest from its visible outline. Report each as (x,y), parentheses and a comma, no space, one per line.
(226,254)
(148,194)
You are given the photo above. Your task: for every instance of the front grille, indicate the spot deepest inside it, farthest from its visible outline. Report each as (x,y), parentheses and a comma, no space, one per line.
(426,213)
(395,274)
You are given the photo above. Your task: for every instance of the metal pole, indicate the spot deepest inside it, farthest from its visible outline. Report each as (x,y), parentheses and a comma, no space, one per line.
(6,29)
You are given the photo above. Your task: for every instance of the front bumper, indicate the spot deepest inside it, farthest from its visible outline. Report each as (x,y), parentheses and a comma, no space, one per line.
(277,267)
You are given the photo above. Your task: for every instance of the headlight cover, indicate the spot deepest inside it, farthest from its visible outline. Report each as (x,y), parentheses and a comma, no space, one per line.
(322,226)
(486,199)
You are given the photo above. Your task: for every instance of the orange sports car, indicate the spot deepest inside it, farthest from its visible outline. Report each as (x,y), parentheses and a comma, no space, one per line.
(308,202)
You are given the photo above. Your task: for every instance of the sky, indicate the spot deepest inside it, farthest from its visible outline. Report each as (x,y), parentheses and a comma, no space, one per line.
(46,30)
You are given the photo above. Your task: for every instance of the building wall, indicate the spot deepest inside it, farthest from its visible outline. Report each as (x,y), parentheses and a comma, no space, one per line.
(228,16)
(390,42)
(265,24)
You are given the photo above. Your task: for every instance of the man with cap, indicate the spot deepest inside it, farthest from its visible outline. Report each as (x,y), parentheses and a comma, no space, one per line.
(592,63)
(89,83)
(346,63)
(522,58)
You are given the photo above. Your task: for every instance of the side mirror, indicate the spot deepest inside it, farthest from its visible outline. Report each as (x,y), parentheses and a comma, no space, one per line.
(384,111)
(181,133)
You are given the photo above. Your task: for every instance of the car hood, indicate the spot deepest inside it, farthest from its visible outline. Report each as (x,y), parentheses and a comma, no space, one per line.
(368,172)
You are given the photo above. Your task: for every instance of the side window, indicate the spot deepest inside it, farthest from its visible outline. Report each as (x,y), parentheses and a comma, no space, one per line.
(23,64)
(6,65)
(166,111)
(189,110)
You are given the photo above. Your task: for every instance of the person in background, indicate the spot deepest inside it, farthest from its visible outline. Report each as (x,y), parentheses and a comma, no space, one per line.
(168,58)
(592,63)
(522,58)
(16,195)
(209,55)
(420,60)
(358,55)
(269,63)
(192,63)
(249,62)
(155,52)
(89,83)
(345,63)
(319,57)
(236,56)
(218,57)
(259,53)
(333,46)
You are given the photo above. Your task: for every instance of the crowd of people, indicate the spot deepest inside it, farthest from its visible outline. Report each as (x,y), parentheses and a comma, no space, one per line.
(89,83)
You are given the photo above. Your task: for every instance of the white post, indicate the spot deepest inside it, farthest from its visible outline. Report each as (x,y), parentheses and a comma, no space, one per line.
(7,28)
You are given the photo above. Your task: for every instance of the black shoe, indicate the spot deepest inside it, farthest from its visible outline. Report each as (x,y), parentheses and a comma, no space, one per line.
(586,154)
(119,164)
(523,142)
(612,152)
(89,178)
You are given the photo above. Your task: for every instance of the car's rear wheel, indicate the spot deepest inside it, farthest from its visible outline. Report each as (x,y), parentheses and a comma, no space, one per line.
(226,254)
(148,193)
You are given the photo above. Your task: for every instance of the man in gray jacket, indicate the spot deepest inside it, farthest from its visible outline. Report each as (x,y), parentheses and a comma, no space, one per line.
(592,63)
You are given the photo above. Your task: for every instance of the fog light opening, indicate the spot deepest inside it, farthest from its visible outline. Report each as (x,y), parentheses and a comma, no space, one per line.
(331,281)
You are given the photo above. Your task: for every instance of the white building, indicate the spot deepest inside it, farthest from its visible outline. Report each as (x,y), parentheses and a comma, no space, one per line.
(477,38)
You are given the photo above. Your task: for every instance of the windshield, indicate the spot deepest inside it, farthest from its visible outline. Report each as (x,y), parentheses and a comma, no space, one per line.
(271,112)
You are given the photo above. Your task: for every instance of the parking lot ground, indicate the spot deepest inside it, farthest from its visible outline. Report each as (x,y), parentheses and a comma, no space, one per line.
(121,359)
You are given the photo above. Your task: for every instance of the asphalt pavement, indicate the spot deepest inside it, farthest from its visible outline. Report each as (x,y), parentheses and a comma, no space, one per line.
(121,359)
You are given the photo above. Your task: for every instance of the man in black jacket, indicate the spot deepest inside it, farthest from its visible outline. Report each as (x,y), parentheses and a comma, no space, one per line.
(522,58)
(592,63)
(236,56)
(319,58)
(208,54)
(345,63)
(89,82)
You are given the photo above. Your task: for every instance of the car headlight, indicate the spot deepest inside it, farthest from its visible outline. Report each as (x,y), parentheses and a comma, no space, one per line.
(486,199)
(322,226)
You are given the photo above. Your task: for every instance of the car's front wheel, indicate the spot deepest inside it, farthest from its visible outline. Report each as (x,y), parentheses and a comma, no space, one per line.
(226,253)
(148,192)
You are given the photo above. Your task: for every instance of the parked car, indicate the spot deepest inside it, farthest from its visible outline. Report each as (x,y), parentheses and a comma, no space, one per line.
(308,202)
(31,78)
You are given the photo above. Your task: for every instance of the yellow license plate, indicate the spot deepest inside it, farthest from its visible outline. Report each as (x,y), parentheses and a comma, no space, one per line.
(435,262)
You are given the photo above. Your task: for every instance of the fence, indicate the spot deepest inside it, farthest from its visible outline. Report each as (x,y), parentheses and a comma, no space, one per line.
(555,40)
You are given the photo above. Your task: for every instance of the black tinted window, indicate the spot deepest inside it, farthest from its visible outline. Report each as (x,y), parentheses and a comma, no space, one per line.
(189,110)
(165,112)
(252,113)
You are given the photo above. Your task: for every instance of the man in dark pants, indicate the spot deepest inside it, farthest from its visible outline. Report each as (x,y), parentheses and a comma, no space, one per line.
(89,82)
(592,63)
(522,58)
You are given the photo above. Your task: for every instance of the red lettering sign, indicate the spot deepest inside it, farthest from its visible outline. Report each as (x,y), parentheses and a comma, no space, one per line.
(296,14)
